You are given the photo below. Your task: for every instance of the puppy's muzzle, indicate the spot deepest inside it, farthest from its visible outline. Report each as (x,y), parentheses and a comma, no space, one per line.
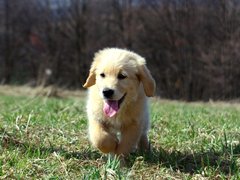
(108,93)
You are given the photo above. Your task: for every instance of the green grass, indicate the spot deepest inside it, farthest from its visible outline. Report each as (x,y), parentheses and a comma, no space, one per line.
(46,138)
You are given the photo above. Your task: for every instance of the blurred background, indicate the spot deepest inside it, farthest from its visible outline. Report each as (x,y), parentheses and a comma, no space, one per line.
(192,47)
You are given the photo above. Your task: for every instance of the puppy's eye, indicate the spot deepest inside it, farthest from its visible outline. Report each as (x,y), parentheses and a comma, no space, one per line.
(121,76)
(102,75)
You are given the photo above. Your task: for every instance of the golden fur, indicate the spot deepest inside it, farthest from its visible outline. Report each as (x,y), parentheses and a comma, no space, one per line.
(126,74)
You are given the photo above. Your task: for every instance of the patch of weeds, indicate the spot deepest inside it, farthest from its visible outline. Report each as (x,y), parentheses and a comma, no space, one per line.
(92,173)
(112,168)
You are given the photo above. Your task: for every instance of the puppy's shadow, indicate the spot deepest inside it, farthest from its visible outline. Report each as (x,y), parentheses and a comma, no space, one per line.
(191,162)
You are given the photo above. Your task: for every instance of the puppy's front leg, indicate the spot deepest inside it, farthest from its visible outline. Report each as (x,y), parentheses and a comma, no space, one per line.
(129,138)
(101,138)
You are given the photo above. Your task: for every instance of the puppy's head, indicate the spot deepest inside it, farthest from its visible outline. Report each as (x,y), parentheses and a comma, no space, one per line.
(118,74)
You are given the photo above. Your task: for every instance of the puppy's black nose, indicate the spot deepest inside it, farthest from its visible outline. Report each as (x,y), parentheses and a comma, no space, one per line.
(107,93)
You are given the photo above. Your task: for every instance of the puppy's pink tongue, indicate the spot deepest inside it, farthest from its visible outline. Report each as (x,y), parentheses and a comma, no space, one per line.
(110,108)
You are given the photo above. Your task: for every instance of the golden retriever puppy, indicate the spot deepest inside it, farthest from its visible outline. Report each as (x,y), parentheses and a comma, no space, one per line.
(119,84)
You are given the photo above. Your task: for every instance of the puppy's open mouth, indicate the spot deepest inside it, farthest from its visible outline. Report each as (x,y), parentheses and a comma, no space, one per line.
(111,107)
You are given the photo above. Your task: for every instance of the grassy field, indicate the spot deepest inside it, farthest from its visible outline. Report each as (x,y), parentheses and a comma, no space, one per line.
(46,138)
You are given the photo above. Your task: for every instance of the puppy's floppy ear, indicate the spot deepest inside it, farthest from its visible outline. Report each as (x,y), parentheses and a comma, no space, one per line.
(91,80)
(147,80)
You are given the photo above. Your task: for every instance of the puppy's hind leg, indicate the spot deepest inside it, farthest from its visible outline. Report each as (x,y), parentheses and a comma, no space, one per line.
(144,144)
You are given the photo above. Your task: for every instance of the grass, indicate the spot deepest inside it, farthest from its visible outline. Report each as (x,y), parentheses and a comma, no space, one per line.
(46,138)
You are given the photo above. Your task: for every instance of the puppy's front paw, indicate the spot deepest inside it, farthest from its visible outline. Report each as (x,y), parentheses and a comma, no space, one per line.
(106,143)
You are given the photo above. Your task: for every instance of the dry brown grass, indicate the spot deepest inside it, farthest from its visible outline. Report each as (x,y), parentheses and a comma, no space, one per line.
(49,91)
